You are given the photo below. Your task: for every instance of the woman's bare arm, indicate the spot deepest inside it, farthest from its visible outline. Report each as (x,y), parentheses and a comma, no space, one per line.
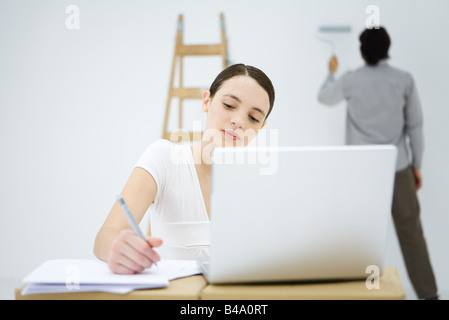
(115,243)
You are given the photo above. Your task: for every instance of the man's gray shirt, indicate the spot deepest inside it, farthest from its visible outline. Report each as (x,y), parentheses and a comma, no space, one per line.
(383,107)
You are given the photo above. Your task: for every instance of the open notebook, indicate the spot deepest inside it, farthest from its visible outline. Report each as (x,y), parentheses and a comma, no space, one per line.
(78,275)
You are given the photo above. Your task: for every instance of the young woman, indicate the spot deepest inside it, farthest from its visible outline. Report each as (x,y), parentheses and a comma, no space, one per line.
(174,180)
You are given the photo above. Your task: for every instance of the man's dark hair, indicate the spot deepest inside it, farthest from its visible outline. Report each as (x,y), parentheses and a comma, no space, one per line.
(374,45)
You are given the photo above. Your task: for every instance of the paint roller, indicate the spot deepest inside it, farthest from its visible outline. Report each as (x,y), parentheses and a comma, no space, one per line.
(332,29)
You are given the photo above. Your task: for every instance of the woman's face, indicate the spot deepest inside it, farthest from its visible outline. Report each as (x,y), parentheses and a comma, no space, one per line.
(236,113)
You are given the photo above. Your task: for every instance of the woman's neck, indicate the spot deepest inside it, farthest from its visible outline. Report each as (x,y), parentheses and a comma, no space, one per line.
(202,154)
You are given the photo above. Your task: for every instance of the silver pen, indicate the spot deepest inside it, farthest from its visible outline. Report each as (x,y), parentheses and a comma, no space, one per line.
(132,221)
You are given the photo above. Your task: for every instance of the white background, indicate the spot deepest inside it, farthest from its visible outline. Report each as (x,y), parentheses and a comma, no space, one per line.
(78,107)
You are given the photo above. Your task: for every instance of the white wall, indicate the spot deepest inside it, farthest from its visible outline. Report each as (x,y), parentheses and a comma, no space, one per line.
(77,107)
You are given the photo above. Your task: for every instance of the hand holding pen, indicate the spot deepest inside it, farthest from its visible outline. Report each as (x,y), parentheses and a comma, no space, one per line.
(132,252)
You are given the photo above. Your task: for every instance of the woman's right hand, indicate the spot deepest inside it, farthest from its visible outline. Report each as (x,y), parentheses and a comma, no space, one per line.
(131,254)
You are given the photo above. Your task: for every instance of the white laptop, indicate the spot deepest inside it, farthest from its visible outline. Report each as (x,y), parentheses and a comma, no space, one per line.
(299,213)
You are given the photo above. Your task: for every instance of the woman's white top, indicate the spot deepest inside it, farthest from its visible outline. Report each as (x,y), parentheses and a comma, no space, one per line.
(178,215)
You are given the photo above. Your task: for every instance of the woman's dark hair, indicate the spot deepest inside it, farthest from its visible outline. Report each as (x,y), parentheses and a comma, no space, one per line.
(374,45)
(244,70)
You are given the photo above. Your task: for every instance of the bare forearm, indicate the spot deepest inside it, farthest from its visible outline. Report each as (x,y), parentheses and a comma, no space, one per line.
(103,241)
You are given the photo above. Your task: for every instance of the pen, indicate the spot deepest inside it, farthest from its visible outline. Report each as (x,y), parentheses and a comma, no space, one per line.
(131,219)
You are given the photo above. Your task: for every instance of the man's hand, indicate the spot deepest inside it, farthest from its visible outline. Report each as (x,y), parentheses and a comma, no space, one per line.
(333,64)
(418,178)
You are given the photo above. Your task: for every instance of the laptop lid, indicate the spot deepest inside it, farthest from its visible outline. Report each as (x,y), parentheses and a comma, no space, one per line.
(299,213)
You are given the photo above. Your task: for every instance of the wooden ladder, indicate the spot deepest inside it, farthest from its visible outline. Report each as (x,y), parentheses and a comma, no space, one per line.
(182,93)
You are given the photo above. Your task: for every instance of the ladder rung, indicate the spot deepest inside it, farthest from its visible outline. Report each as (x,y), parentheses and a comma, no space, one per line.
(187,93)
(182,50)
(200,49)
(181,136)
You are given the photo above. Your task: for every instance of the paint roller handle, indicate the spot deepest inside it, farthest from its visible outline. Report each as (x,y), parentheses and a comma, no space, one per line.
(333,64)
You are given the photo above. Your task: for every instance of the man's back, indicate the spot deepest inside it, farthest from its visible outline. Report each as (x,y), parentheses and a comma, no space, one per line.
(382,107)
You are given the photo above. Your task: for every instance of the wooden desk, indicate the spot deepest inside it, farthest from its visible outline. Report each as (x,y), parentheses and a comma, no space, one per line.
(390,289)
(196,288)
(180,289)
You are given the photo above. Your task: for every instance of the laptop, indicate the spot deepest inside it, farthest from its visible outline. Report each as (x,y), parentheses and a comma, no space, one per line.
(294,214)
